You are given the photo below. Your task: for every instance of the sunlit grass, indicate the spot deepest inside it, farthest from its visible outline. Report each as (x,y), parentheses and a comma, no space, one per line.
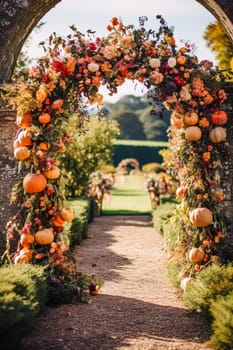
(128,197)
(148,143)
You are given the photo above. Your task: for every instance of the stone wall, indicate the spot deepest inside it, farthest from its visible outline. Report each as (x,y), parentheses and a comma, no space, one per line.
(8,172)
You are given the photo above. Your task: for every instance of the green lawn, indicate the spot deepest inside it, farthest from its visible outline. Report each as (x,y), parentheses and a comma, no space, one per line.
(142,143)
(129,196)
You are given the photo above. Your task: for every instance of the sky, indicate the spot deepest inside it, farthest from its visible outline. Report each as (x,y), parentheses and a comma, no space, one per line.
(188,18)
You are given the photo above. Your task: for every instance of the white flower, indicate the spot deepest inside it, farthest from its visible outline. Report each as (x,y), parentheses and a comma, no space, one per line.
(185,94)
(154,63)
(93,67)
(171,62)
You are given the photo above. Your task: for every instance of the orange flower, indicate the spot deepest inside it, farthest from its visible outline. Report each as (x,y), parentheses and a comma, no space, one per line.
(219,196)
(70,65)
(208,99)
(206,156)
(96,81)
(220,234)
(114,21)
(105,67)
(63,84)
(204,122)
(41,95)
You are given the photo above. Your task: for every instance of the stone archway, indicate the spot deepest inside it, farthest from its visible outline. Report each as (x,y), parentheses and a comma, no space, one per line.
(18,18)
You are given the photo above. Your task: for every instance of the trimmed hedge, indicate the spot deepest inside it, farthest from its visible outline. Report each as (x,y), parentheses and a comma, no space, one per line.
(143,154)
(23,291)
(83,213)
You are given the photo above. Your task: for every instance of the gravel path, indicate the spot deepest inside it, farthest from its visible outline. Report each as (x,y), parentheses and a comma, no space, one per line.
(137,308)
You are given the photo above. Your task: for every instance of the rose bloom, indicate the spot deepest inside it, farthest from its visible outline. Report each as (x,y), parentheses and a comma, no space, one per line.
(127,41)
(156,77)
(154,62)
(185,94)
(108,52)
(171,62)
(34,72)
(93,67)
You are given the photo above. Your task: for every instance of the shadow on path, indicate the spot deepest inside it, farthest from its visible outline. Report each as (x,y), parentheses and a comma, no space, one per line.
(137,308)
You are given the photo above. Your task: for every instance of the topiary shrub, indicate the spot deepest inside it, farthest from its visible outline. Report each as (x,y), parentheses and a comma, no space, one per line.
(152,168)
(22,296)
(83,214)
(210,284)
(222,326)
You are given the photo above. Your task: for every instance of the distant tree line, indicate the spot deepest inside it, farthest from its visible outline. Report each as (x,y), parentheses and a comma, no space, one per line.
(137,119)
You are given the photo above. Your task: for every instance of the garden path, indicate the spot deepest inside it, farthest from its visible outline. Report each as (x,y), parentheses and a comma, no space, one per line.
(137,308)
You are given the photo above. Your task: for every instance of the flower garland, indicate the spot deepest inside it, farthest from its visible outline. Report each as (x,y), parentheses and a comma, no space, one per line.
(66,80)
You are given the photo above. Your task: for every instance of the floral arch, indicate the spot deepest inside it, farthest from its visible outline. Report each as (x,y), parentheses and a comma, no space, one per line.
(66,80)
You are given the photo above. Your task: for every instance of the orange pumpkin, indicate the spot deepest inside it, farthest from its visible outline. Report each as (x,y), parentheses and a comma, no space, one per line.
(24,256)
(24,121)
(44,236)
(34,183)
(193,133)
(44,146)
(196,255)
(26,240)
(181,60)
(67,214)
(24,138)
(219,117)
(217,135)
(201,217)
(21,153)
(44,118)
(57,104)
(191,118)
(52,173)
(58,220)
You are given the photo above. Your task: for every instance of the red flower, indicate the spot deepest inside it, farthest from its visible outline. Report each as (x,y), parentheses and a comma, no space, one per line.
(92,46)
(178,80)
(45,78)
(60,67)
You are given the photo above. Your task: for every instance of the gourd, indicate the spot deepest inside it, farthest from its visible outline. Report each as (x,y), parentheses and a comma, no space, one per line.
(67,214)
(44,118)
(58,220)
(219,117)
(24,121)
(201,217)
(52,172)
(44,237)
(24,138)
(22,153)
(218,134)
(34,183)
(196,255)
(191,118)
(193,133)
(24,256)
(26,240)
